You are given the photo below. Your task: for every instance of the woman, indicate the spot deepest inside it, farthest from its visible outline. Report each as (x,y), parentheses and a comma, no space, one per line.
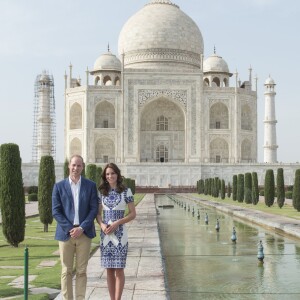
(114,197)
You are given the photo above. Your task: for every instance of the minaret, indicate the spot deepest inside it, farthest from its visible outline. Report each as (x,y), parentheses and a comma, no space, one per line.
(44,118)
(270,145)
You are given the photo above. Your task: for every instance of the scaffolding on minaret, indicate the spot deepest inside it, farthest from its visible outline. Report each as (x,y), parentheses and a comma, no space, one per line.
(44,126)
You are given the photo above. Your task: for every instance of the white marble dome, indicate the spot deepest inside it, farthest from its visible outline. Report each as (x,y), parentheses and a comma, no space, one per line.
(107,61)
(215,63)
(270,81)
(160,33)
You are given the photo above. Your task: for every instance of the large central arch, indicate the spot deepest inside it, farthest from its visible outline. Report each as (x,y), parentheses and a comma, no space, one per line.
(162,126)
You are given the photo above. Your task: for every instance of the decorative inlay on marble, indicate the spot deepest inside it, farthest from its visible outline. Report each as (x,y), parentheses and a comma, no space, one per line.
(179,95)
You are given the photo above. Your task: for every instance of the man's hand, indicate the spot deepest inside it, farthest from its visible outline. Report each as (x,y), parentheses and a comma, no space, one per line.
(76,232)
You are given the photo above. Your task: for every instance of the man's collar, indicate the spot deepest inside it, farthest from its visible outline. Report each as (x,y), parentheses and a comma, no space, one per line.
(73,182)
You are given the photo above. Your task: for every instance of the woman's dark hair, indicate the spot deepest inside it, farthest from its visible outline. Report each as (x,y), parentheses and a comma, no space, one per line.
(104,186)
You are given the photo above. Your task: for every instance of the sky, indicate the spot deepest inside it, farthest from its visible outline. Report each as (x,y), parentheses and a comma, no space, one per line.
(37,35)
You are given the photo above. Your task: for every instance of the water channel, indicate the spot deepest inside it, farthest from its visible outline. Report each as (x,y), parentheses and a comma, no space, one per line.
(201,263)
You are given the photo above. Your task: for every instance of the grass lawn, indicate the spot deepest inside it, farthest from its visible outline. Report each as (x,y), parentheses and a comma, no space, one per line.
(287,210)
(42,248)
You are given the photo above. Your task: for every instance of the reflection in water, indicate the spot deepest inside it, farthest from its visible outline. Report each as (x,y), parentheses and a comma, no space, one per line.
(202,263)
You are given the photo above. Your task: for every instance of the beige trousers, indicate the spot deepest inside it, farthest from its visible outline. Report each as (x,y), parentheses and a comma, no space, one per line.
(79,248)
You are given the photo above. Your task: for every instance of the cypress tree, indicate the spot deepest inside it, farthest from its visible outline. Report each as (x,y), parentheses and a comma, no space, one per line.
(133,186)
(12,198)
(66,168)
(206,186)
(200,191)
(234,187)
(218,187)
(255,190)
(217,190)
(125,181)
(98,176)
(280,188)
(130,183)
(209,186)
(83,170)
(202,186)
(46,183)
(248,188)
(296,191)
(240,188)
(91,172)
(213,187)
(222,189)
(229,190)
(269,188)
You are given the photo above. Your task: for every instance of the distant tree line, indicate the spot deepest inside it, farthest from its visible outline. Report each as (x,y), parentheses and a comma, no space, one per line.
(244,188)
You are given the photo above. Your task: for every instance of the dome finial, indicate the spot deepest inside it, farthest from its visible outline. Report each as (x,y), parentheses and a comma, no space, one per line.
(214,49)
(108,50)
(162,2)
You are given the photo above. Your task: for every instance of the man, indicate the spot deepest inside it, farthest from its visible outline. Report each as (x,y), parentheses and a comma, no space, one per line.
(74,207)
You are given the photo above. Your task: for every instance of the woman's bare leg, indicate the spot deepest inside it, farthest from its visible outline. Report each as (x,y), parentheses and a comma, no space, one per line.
(120,281)
(111,283)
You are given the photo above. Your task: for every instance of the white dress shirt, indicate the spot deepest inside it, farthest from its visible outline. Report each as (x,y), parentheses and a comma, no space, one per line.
(75,187)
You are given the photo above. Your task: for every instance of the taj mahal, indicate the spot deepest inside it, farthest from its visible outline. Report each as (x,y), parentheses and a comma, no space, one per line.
(165,113)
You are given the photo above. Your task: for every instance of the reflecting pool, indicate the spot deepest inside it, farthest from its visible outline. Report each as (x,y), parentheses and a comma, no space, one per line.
(202,263)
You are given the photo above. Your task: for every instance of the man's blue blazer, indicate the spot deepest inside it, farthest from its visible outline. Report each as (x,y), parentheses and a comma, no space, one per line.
(63,209)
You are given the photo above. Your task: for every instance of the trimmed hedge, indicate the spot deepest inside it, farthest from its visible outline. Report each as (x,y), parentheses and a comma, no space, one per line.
(280,188)
(46,183)
(248,188)
(12,197)
(296,191)
(269,188)
(33,189)
(32,197)
(91,172)
(234,187)
(255,189)
(289,194)
(240,188)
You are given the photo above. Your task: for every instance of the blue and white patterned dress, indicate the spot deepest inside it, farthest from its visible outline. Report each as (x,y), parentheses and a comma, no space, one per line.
(114,246)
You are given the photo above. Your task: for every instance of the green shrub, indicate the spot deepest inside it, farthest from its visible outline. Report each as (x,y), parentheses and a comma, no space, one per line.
(280,192)
(240,188)
(33,189)
(46,183)
(255,190)
(222,189)
(130,183)
(12,197)
(32,197)
(216,184)
(296,191)
(228,190)
(209,186)
(289,194)
(66,168)
(206,186)
(248,188)
(91,172)
(269,188)
(262,193)
(98,176)
(234,187)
